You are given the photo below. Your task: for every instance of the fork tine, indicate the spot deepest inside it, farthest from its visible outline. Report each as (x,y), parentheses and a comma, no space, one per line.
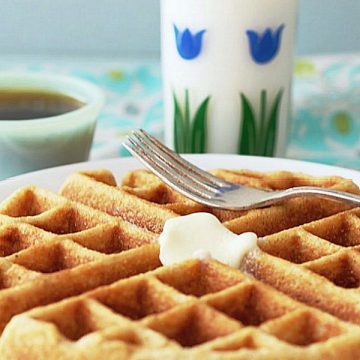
(182,172)
(180,184)
(169,166)
(187,166)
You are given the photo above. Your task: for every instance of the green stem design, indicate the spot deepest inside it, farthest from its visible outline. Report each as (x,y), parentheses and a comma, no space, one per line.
(271,130)
(190,135)
(259,138)
(262,130)
(198,140)
(248,130)
(179,131)
(187,125)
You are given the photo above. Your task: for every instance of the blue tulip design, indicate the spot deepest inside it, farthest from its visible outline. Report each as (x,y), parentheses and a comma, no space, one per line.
(264,48)
(188,45)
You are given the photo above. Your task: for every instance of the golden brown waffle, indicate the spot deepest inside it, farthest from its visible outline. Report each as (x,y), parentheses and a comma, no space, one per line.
(52,248)
(193,310)
(147,202)
(317,263)
(97,233)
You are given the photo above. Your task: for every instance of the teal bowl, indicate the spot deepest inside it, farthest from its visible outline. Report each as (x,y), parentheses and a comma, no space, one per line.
(51,141)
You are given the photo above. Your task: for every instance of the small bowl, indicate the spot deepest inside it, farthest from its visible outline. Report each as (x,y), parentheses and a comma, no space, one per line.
(28,145)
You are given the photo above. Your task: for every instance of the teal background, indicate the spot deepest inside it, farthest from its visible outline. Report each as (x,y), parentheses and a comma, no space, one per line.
(327,26)
(130,28)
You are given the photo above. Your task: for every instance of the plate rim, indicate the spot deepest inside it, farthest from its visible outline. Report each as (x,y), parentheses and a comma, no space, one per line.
(206,161)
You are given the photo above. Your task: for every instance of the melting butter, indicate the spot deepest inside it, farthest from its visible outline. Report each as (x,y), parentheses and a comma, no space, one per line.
(202,235)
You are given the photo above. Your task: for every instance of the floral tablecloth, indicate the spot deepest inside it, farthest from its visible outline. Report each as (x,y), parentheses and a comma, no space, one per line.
(326,110)
(325,116)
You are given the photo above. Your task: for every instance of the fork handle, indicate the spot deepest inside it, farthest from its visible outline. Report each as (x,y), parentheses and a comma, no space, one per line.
(351,199)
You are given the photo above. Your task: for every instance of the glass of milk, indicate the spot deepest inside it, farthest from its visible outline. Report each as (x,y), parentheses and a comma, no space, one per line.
(227,70)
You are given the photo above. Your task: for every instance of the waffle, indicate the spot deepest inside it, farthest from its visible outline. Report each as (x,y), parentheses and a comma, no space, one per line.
(49,245)
(94,247)
(147,202)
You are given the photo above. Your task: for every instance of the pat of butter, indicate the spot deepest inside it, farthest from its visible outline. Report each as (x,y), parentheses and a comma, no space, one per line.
(202,235)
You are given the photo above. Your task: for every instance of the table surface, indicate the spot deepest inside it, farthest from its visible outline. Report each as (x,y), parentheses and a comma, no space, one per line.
(325,116)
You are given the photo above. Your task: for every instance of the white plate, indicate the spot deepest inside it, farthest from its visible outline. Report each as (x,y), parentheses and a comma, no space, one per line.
(53,178)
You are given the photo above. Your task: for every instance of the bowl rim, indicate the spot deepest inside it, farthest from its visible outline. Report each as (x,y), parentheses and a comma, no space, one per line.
(91,94)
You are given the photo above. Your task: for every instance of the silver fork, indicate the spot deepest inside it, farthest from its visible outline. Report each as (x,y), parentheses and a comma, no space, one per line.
(207,189)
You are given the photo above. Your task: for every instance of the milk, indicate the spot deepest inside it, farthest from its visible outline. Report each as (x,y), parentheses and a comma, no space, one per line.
(225,68)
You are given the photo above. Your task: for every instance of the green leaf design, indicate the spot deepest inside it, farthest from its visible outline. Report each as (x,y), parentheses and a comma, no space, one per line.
(272,124)
(248,130)
(179,130)
(259,140)
(190,135)
(187,125)
(199,135)
(260,146)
